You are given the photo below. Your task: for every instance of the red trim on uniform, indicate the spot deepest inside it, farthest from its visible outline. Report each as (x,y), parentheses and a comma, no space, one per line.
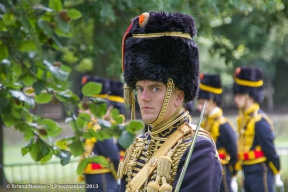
(222,156)
(258,154)
(96,166)
(246,156)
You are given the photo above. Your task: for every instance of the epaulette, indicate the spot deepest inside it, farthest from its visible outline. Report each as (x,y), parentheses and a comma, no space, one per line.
(201,132)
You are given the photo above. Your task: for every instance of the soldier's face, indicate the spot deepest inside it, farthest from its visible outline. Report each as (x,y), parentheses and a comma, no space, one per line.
(240,100)
(210,105)
(150,96)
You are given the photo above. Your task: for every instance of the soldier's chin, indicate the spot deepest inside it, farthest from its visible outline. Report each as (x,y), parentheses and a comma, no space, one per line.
(148,120)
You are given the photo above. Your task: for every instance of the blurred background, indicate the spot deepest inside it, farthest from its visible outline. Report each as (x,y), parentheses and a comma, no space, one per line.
(84,38)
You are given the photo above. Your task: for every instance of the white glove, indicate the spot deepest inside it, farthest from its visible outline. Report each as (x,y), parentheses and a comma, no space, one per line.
(234,184)
(278,181)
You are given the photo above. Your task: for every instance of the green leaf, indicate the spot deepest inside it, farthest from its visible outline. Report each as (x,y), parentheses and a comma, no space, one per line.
(126,139)
(63,143)
(104,135)
(27,46)
(8,120)
(134,126)
(100,160)
(62,86)
(46,158)
(43,147)
(3,51)
(60,33)
(43,98)
(51,127)
(65,157)
(80,123)
(95,134)
(35,152)
(44,25)
(49,124)
(26,129)
(86,135)
(116,117)
(99,110)
(76,148)
(57,44)
(27,79)
(74,14)
(62,25)
(21,126)
(81,166)
(4,102)
(56,71)
(85,116)
(28,133)
(38,86)
(17,112)
(8,19)
(91,88)
(27,116)
(26,149)
(103,123)
(21,96)
(56,5)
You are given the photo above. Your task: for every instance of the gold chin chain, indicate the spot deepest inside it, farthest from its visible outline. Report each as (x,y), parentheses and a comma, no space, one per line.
(154,133)
(170,89)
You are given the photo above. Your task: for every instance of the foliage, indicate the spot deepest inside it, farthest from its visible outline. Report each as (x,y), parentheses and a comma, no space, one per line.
(257,37)
(31,36)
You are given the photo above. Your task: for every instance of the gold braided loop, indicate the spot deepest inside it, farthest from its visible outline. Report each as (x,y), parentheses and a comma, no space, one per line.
(170,89)
(153,133)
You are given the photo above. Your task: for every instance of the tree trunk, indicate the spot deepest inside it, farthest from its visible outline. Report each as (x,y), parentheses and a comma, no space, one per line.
(2,174)
(269,95)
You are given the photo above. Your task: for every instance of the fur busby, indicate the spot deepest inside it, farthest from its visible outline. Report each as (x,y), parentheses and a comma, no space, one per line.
(252,76)
(105,83)
(116,89)
(211,81)
(160,58)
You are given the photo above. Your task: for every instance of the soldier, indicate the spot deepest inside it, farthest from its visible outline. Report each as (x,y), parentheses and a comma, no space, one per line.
(100,178)
(220,128)
(260,162)
(160,62)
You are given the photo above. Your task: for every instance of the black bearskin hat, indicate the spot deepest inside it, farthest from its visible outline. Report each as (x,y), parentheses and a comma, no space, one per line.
(116,96)
(105,83)
(160,45)
(249,80)
(210,88)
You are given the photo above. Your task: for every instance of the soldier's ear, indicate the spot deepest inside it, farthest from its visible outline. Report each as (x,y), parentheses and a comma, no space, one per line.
(179,98)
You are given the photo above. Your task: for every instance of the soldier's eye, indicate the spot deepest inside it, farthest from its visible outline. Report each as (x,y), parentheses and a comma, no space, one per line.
(138,89)
(156,89)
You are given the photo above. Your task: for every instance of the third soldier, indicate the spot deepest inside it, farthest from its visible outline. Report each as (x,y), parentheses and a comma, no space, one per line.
(260,163)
